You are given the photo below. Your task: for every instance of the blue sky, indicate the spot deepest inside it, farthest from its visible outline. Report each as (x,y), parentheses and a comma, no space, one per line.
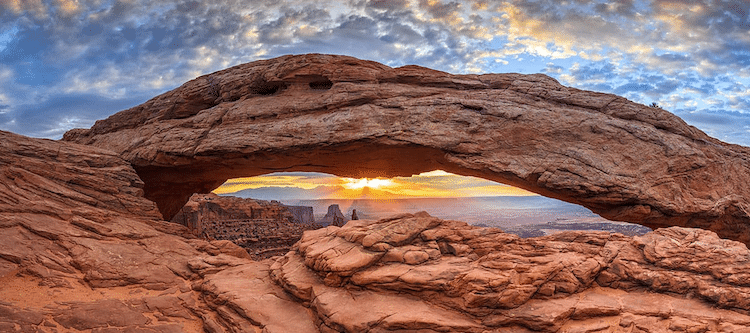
(65,64)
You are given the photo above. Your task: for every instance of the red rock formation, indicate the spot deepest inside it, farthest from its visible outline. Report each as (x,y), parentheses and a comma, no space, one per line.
(355,118)
(334,216)
(261,227)
(421,272)
(201,209)
(74,223)
(82,250)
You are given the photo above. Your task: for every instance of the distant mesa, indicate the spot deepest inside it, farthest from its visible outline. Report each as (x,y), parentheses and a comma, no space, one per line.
(356,118)
(334,217)
(262,228)
(302,214)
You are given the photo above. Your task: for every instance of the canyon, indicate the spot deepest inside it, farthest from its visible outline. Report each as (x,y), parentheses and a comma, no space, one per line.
(262,228)
(87,242)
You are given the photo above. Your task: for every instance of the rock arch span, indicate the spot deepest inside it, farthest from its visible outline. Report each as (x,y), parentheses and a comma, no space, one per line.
(356,118)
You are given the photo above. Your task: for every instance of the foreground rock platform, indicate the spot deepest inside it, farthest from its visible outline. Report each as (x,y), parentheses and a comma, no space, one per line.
(355,118)
(419,273)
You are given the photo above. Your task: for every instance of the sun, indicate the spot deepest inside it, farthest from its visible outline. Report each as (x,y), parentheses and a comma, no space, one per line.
(353,183)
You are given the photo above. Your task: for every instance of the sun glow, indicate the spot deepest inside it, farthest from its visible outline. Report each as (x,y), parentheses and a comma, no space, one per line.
(353,184)
(433,184)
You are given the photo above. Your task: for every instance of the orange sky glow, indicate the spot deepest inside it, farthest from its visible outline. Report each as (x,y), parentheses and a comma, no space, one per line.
(433,184)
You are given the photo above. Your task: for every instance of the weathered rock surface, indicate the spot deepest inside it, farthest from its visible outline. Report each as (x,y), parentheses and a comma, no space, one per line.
(82,250)
(263,228)
(355,118)
(202,209)
(302,214)
(419,272)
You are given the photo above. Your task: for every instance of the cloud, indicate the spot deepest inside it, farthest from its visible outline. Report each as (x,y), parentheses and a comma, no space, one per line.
(59,113)
(123,50)
(726,125)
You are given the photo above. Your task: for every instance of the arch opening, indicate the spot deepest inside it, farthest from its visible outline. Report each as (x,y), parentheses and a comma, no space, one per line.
(173,179)
(622,160)
(477,201)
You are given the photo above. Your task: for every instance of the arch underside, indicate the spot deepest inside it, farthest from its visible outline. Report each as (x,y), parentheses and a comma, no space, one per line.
(171,187)
(353,118)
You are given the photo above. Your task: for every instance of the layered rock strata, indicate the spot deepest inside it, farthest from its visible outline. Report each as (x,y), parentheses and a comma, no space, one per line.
(263,228)
(417,272)
(82,249)
(302,214)
(356,118)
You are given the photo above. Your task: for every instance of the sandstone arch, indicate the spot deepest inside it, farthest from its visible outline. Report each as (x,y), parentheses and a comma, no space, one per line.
(355,118)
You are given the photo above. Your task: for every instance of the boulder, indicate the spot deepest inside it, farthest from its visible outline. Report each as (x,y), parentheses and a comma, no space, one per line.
(355,118)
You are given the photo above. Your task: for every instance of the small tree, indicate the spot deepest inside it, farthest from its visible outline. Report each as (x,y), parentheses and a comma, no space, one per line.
(655,105)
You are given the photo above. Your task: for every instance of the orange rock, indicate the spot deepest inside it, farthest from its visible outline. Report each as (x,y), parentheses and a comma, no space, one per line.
(83,250)
(548,284)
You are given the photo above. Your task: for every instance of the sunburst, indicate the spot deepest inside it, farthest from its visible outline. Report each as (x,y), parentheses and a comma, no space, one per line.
(353,183)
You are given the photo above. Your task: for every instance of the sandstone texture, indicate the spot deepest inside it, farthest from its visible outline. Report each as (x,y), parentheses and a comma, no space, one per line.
(83,251)
(416,272)
(263,228)
(356,118)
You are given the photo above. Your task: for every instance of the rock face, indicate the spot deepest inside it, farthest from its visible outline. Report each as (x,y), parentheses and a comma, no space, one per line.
(355,118)
(82,250)
(202,209)
(302,214)
(334,216)
(261,227)
(418,272)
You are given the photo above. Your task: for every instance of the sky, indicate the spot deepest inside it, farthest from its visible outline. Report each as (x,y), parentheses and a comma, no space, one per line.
(66,63)
(313,185)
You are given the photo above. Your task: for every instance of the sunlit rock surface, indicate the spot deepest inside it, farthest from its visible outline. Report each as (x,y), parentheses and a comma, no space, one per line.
(82,250)
(419,272)
(356,118)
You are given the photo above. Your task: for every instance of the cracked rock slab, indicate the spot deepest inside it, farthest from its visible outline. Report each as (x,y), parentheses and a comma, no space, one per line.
(567,282)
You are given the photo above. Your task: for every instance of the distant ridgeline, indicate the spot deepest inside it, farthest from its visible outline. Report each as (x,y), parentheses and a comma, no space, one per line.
(263,228)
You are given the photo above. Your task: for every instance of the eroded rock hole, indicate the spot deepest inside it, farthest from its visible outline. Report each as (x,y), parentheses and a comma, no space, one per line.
(321,84)
(268,88)
(267,214)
